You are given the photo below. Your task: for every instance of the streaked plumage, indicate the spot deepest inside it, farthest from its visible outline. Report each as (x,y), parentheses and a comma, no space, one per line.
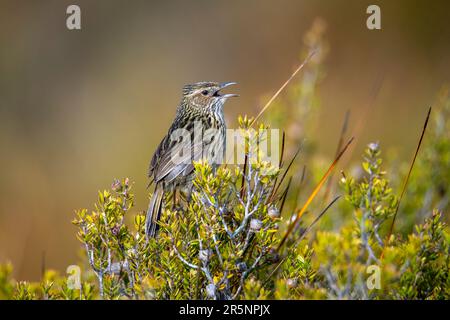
(200,109)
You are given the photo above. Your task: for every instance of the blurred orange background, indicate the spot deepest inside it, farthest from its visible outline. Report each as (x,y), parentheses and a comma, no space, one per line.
(79,108)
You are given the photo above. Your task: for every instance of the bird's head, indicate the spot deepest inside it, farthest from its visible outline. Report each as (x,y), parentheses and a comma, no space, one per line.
(206,96)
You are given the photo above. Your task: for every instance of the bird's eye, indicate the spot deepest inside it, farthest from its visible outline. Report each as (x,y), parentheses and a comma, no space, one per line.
(205,92)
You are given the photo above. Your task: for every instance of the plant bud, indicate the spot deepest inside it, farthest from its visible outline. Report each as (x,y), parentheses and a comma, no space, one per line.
(273,212)
(211,291)
(374,146)
(115,230)
(242,266)
(291,283)
(255,225)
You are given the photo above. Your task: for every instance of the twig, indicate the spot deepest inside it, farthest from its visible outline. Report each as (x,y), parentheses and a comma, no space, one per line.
(282,87)
(245,274)
(299,188)
(283,141)
(285,173)
(317,218)
(285,193)
(190,265)
(243,173)
(407,179)
(313,194)
(302,236)
(339,146)
(280,164)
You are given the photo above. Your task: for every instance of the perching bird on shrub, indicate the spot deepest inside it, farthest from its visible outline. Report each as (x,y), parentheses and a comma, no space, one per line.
(197,133)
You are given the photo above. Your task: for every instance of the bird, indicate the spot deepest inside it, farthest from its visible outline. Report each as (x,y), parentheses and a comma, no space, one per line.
(198,132)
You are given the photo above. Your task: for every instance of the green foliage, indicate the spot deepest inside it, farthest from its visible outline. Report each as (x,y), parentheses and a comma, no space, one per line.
(427,262)
(223,243)
(428,188)
(6,283)
(222,236)
(51,287)
(118,255)
(373,201)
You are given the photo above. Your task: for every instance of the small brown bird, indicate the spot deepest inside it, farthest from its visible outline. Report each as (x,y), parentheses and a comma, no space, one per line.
(198,132)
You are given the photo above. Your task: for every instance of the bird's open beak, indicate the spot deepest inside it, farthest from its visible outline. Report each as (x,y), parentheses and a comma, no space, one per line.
(228,95)
(226,84)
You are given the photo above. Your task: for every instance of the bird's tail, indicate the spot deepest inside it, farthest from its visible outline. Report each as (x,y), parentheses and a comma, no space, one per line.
(154,211)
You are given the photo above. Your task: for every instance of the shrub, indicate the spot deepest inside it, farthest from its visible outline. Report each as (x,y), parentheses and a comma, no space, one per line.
(230,240)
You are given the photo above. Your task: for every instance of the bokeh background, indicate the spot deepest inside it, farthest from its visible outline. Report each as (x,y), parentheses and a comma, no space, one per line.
(79,108)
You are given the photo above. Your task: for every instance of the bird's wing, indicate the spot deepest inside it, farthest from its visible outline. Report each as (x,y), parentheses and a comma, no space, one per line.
(175,153)
(164,146)
(176,160)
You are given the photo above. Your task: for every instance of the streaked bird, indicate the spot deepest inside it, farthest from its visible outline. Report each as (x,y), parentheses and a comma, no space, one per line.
(197,133)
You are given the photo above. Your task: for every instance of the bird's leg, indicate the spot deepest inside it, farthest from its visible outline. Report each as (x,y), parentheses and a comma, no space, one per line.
(189,193)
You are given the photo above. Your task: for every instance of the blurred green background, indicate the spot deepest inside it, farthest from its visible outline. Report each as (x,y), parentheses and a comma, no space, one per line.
(79,108)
